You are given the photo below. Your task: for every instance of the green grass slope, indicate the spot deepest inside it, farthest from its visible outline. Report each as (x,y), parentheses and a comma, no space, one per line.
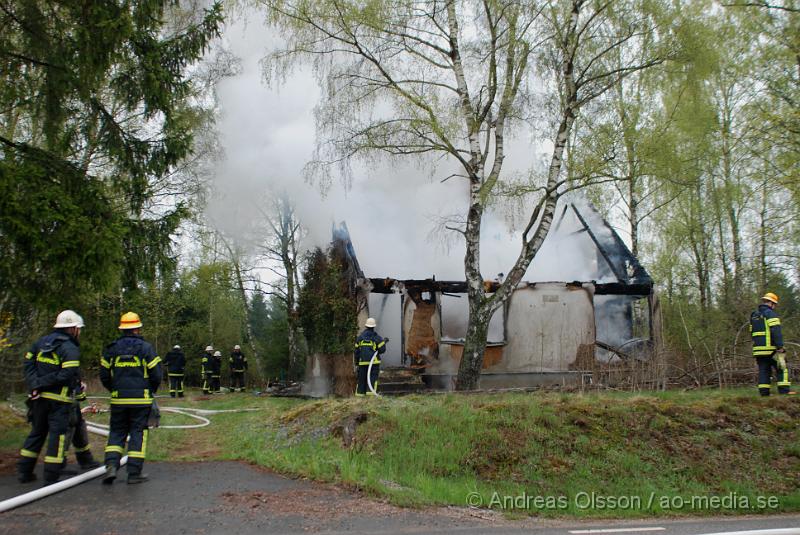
(598,455)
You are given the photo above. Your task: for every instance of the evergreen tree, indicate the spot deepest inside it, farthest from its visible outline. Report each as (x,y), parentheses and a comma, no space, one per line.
(95,108)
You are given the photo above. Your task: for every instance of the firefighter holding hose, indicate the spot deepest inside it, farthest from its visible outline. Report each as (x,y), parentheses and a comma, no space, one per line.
(765,329)
(369,347)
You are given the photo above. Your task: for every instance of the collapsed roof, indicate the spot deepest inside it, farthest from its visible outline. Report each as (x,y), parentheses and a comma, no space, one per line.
(618,271)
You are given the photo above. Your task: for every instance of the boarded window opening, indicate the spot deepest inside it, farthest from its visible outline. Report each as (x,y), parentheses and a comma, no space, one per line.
(455,314)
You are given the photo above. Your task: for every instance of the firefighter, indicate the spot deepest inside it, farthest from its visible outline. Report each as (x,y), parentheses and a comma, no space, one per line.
(368,344)
(215,370)
(765,329)
(130,369)
(238,363)
(176,366)
(52,374)
(205,368)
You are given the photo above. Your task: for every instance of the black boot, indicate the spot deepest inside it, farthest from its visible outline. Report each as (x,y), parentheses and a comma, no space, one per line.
(26,477)
(67,471)
(111,474)
(90,465)
(134,479)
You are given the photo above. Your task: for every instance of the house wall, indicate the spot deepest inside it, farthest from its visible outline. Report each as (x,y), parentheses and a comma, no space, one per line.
(546,326)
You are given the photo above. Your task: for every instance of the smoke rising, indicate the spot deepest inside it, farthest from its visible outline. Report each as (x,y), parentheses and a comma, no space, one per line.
(393,209)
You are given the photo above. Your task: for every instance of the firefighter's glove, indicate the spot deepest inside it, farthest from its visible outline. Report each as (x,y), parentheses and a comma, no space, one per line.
(781,360)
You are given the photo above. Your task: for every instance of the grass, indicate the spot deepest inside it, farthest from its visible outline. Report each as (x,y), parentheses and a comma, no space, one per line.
(584,455)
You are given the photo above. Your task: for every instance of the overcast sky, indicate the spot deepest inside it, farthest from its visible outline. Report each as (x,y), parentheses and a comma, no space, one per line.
(391,210)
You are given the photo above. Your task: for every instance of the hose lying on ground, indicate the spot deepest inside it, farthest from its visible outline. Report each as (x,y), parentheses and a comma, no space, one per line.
(34,495)
(102,429)
(176,410)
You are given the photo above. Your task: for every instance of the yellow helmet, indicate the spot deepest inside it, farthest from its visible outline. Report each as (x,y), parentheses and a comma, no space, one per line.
(130,320)
(769,296)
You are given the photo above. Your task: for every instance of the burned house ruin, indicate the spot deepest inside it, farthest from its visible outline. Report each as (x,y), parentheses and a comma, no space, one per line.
(550,331)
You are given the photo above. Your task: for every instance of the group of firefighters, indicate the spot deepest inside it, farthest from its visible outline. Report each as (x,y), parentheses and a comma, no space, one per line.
(130,369)
(210,370)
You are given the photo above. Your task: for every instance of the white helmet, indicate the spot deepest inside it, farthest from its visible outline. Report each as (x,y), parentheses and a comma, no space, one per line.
(371,323)
(237,347)
(217,354)
(209,348)
(176,346)
(68,318)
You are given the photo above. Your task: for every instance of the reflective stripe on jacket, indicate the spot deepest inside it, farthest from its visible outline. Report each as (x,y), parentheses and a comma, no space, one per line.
(130,370)
(52,366)
(238,361)
(175,362)
(366,344)
(765,329)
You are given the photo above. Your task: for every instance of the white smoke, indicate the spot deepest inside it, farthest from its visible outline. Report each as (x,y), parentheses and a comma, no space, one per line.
(392,210)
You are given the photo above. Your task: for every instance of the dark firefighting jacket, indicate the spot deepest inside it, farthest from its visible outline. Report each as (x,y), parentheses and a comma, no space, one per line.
(52,367)
(238,361)
(366,344)
(765,328)
(175,361)
(214,366)
(205,363)
(130,369)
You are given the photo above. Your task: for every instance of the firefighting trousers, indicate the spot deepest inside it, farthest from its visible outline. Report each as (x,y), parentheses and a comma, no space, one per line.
(80,439)
(50,424)
(128,420)
(363,388)
(206,383)
(766,365)
(214,383)
(176,384)
(237,380)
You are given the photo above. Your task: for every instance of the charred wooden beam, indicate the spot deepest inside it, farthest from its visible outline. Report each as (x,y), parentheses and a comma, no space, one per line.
(620,288)
(388,285)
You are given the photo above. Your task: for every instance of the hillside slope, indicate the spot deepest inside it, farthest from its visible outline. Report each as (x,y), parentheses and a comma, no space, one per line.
(605,454)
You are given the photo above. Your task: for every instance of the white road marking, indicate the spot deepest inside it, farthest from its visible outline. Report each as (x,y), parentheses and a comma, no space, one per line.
(619,530)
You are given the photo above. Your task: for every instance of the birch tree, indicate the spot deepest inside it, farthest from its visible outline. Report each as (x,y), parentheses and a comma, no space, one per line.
(280,250)
(451,79)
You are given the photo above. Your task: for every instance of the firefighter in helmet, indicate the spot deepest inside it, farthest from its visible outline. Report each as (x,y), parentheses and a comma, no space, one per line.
(238,363)
(205,369)
(215,371)
(131,371)
(369,347)
(52,375)
(175,361)
(765,329)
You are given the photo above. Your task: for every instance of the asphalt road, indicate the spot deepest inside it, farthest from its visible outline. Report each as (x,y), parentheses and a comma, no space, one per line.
(235,498)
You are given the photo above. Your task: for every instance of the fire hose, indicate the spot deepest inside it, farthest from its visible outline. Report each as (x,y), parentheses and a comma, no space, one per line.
(102,429)
(369,373)
(43,492)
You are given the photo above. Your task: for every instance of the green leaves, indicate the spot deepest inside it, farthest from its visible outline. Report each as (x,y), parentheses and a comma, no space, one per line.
(95,107)
(58,232)
(327,309)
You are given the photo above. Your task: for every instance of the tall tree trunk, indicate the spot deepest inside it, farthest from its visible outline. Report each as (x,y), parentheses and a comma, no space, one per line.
(481,308)
(762,233)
